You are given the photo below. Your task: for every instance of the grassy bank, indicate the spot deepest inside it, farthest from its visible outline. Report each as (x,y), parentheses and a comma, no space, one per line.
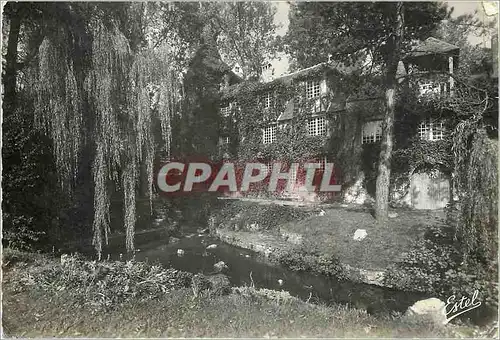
(319,237)
(414,251)
(42,297)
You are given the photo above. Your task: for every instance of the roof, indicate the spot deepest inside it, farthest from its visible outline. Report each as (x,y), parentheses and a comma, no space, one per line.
(432,46)
(231,91)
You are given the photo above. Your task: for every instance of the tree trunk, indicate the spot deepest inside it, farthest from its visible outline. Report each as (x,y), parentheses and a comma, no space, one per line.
(384,167)
(9,80)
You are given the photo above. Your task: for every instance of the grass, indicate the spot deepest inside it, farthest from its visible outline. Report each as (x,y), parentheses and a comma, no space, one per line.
(332,235)
(35,311)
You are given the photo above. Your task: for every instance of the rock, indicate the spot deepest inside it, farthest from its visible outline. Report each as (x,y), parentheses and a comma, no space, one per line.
(220,266)
(247,255)
(212,246)
(173,240)
(180,252)
(344,205)
(432,308)
(322,213)
(359,234)
(203,231)
(392,215)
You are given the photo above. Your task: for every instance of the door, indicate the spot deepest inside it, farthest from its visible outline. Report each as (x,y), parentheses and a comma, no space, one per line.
(430,190)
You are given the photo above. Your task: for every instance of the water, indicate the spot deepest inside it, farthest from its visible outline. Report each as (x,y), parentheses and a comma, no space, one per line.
(245,267)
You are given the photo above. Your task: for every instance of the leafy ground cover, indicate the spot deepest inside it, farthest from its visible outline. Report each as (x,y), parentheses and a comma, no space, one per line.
(34,307)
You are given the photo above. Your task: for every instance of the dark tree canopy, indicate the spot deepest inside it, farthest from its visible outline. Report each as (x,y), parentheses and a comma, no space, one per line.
(346,29)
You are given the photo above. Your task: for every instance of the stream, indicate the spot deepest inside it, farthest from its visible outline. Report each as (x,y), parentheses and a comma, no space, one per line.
(245,267)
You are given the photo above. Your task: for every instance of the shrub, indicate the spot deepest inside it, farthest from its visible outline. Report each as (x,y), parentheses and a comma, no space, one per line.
(304,258)
(20,233)
(103,285)
(253,217)
(435,266)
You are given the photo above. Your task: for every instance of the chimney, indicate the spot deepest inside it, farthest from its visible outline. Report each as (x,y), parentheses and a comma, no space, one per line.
(238,70)
(267,73)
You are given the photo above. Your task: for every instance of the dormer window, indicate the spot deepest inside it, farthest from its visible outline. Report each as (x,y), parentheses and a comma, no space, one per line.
(313,89)
(225,111)
(267,100)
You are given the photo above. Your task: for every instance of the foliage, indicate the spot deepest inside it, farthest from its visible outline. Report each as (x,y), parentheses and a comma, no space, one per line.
(242,215)
(279,297)
(435,266)
(343,30)
(19,233)
(243,31)
(92,90)
(473,59)
(309,259)
(103,285)
(246,34)
(29,182)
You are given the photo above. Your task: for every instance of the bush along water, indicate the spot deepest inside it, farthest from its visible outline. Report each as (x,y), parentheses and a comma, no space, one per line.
(254,217)
(102,285)
(302,258)
(435,266)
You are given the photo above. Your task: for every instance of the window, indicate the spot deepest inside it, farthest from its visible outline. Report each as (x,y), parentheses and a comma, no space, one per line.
(269,134)
(292,179)
(431,129)
(312,89)
(225,111)
(267,167)
(223,140)
(267,100)
(372,132)
(316,126)
(323,162)
(434,88)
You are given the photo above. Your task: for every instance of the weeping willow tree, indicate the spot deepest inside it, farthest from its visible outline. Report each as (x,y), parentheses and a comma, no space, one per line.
(93,90)
(475,170)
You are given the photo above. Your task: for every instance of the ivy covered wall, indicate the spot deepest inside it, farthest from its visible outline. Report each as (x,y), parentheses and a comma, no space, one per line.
(346,107)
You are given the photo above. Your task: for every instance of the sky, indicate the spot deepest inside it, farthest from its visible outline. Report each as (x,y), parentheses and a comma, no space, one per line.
(460,7)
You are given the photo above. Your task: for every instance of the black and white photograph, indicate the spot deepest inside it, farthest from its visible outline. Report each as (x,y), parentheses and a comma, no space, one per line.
(249,169)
